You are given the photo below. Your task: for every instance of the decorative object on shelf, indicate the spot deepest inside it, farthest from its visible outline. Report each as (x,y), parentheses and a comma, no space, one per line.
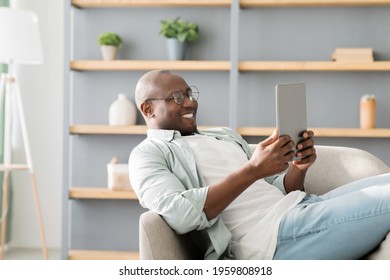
(122,111)
(109,45)
(353,54)
(178,33)
(367,111)
(118,175)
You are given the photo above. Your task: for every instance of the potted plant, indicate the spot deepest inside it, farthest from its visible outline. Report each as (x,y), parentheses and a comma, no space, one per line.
(178,33)
(109,44)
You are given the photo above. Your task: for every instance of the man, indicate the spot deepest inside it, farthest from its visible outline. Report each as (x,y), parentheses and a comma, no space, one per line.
(239,203)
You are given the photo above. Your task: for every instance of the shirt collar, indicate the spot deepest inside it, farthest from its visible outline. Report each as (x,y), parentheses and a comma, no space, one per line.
(163,134)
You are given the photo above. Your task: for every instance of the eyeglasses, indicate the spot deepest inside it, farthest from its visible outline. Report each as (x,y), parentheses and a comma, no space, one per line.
(179,95)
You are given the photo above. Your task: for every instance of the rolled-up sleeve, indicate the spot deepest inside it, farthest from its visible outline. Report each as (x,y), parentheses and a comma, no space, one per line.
(176,198)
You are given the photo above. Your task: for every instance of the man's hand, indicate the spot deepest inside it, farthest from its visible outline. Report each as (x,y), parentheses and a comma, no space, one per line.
(306,151)
(295,177)
(272,155)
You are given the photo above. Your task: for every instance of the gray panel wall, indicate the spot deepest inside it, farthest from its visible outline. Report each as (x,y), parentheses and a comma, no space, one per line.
(265,34)
(313,34)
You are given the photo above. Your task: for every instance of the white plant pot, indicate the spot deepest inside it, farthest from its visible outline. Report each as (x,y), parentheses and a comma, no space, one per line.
(176,49)
(109,52)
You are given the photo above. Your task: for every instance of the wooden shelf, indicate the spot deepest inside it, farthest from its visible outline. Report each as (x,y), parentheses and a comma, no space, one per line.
(101,255)
(311,3)
(110,129)
(100,193)
(313,66)
(323,132)
(149,3)
(144,65)
(245,131)
(244,66)
(224,3)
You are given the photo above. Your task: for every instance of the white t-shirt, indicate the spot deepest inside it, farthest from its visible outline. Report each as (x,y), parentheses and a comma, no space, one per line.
(253,218)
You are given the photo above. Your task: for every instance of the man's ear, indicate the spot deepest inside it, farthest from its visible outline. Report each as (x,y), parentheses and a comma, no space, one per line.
(147,109)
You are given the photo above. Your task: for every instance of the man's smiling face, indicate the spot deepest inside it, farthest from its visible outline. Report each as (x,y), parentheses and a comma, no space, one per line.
(168,114)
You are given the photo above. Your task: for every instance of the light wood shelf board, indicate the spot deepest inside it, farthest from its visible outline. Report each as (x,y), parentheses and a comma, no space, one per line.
(313,66)
(311,3)
(108,129)
(100,193)
(323,132)
(101,255)
(137,65)
(149,3)
(352,132)
(255,131)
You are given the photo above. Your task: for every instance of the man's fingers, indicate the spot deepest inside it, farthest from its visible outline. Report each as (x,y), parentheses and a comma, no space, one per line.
(271,139)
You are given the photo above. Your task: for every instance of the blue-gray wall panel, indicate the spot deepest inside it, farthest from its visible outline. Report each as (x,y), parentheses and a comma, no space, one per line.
(139,28)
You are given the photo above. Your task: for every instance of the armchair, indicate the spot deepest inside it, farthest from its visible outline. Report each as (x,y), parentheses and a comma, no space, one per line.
(334,167)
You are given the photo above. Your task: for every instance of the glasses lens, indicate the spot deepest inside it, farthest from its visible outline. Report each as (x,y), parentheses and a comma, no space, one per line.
(178,96)
(193,93)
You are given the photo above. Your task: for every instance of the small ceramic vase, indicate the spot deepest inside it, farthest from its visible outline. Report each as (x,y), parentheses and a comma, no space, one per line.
(367,112)
(122,111)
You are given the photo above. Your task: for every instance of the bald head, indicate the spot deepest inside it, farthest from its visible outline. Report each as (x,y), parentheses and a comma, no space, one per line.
(149,84)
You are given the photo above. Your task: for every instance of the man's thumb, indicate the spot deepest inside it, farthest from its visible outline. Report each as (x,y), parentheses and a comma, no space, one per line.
(272,138)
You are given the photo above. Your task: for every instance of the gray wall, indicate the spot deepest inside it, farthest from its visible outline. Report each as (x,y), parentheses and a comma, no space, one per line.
(265,34)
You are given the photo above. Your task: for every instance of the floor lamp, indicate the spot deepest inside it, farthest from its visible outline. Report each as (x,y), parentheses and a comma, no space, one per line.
(20,44)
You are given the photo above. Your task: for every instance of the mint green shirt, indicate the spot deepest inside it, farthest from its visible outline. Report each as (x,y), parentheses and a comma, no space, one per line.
(164,175)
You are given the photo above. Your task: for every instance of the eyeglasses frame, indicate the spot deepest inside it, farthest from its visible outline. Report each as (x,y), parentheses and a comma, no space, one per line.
(179,91)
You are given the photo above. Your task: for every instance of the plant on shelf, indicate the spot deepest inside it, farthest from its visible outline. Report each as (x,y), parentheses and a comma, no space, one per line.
(109,44)
(178,33)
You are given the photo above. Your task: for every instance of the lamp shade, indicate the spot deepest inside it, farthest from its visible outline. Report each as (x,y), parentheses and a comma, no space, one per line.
(20,41)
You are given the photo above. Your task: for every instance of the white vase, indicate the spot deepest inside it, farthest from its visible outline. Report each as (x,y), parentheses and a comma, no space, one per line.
(109,52)
(122,111)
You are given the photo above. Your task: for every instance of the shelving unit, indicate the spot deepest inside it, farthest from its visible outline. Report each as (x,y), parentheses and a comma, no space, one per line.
(234,67)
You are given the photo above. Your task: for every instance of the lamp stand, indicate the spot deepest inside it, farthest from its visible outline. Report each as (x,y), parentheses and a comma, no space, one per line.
(9,90)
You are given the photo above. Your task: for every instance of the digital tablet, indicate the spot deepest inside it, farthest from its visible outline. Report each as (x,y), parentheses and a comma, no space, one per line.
(291,110)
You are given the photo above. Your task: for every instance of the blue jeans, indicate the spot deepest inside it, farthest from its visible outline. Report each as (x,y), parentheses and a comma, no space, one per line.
(345,223)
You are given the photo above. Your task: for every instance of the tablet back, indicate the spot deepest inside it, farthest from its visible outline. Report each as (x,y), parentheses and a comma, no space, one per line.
(291,110)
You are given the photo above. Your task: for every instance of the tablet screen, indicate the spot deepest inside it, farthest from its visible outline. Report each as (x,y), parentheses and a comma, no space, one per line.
(291,110)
